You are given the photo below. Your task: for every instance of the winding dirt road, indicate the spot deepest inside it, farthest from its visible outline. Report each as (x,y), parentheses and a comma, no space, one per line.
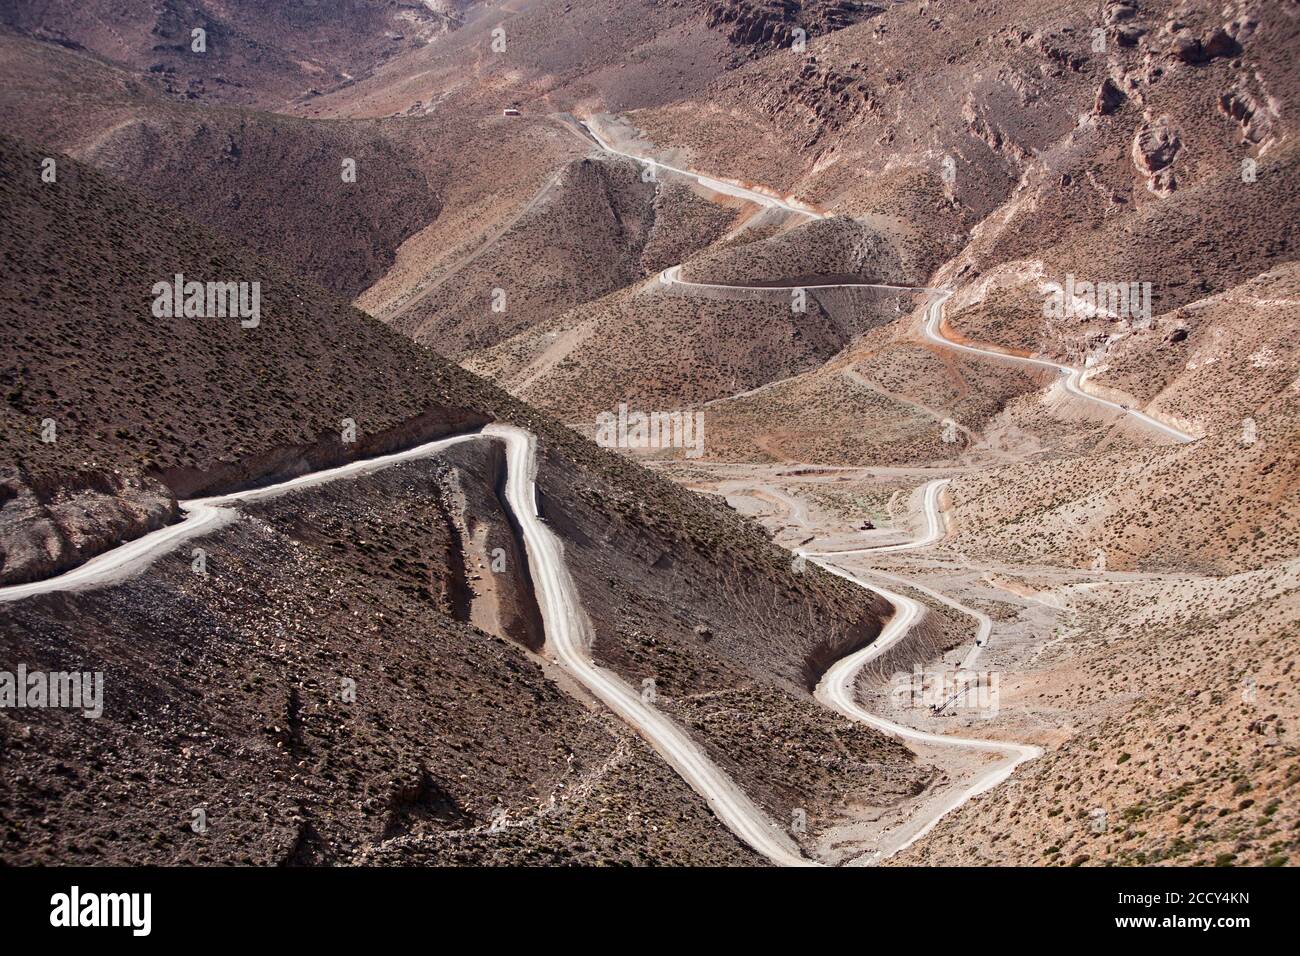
(1074,377)
(203,516)
(569,637)
(932,330)
(568,630)
(837,688)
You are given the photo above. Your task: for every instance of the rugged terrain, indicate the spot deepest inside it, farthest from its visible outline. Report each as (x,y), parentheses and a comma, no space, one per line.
(227,696)
(862,242)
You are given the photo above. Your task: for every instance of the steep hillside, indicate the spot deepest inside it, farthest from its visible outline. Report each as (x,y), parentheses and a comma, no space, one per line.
(820,251)
(356,190)
(250,52)
(382,577)
(584,238)
(194,403)
(594,228)
(1183,735)
(316,699)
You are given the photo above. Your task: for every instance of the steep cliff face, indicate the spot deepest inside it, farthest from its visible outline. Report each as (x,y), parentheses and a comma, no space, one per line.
(772,24)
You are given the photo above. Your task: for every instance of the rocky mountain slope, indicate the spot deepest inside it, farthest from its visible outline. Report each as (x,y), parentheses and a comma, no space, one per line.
(249,51)
(1105,184)
(1183,748)
(228,697)
(357,190)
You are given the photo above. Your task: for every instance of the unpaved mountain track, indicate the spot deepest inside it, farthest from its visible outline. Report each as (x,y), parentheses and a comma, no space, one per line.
(569,637)
(932,330)
(202,516)
(837,688)
(932,327)
(724,187)
(568,630)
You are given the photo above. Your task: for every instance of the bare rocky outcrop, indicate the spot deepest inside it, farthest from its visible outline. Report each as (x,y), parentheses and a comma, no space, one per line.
(1254,118)
(497,593)
(1220,44)
(1057,53)
(1155,146)
(1117,11)
(48,526)
(823,98)
(769,24)
(1109,98)
(991,134)
(1197,51)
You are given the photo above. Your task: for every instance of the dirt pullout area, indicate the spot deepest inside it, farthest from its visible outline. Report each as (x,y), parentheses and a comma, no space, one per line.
(317,697)
(1183,749)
